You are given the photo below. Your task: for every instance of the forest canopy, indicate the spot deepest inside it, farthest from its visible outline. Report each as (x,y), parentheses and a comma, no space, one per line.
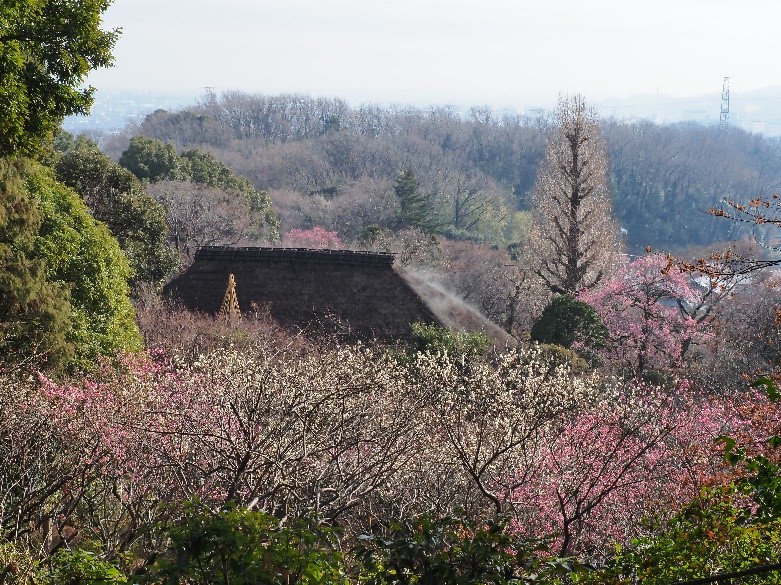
(329,164)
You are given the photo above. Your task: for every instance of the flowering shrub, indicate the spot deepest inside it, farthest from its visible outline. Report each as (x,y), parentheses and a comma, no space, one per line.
(358,436)
(284,433)
(632,457)
(641,307)
(42,472)
(315,237)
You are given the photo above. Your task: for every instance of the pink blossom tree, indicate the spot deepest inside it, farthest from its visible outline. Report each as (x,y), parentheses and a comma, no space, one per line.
(298,435)
(580,459)
(316,237)
(644,309)
(608,472)
(43,473)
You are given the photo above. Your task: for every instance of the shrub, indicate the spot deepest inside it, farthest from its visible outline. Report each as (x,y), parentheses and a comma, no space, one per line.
(433,338)
(431,551)
(248,547)
(81,567)
(570,323)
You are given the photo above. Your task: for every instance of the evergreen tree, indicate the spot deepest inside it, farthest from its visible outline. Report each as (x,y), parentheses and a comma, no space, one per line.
(47,48)
(416,208)
(116,198)
(34,312)
(153,161)
(82,257)
(63,278)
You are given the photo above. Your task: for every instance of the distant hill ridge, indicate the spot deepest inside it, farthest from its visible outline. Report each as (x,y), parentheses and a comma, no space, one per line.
(756,110)
(326,163)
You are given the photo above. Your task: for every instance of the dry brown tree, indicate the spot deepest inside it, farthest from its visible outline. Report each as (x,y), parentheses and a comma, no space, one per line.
(761,212)
(575,236)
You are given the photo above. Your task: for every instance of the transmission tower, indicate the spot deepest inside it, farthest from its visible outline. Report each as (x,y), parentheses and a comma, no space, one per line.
(724,120)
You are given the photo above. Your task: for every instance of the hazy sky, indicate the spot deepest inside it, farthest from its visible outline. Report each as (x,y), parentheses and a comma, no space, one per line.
(496,52)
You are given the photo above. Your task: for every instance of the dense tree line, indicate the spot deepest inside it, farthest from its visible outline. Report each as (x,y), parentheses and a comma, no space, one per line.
(63,277)
(318,156)
(205,202)
(630,447)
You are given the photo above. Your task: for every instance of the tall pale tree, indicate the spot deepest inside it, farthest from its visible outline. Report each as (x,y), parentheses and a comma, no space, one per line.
(575,236)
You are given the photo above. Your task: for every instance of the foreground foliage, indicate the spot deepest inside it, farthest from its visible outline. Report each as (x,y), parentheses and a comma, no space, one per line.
(65,273)
(709,537)
(47,47)
(161,464)
(428,551)
(246,547)
(354,438)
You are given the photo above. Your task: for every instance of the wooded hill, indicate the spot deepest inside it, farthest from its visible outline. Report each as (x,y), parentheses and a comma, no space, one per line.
(326,163)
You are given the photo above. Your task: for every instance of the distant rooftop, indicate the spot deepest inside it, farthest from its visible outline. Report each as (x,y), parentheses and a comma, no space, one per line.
(298,255)
(358,295)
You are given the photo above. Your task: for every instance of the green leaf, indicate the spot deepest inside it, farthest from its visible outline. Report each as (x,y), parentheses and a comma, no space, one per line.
(770,387)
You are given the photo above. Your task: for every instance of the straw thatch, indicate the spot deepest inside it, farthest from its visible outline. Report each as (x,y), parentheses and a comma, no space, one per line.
(230,303)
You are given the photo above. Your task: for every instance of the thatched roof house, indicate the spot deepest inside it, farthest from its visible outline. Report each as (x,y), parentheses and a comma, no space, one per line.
(355,294)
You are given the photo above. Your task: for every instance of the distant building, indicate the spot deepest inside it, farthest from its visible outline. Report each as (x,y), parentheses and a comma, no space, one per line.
(356,295)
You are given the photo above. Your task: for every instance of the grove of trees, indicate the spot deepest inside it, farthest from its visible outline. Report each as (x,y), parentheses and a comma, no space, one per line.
(631,436)
(326,163)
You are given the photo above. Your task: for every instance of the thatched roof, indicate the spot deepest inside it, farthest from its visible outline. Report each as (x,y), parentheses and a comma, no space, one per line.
(355,294)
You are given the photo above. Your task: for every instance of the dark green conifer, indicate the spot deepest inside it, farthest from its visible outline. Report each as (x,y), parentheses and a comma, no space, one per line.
(416,208)
(34,312)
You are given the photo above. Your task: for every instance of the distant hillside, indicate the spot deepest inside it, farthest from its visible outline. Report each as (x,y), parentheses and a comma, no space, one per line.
(756,111)
(326,163)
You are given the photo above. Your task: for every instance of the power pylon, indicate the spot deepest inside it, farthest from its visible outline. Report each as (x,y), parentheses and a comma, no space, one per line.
(724,120)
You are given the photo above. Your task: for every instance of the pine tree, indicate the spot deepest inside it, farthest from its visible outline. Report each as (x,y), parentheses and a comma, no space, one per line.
(416,208)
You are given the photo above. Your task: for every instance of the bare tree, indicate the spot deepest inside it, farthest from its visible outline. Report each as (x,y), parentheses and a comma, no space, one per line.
(575,236)
(202,216)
